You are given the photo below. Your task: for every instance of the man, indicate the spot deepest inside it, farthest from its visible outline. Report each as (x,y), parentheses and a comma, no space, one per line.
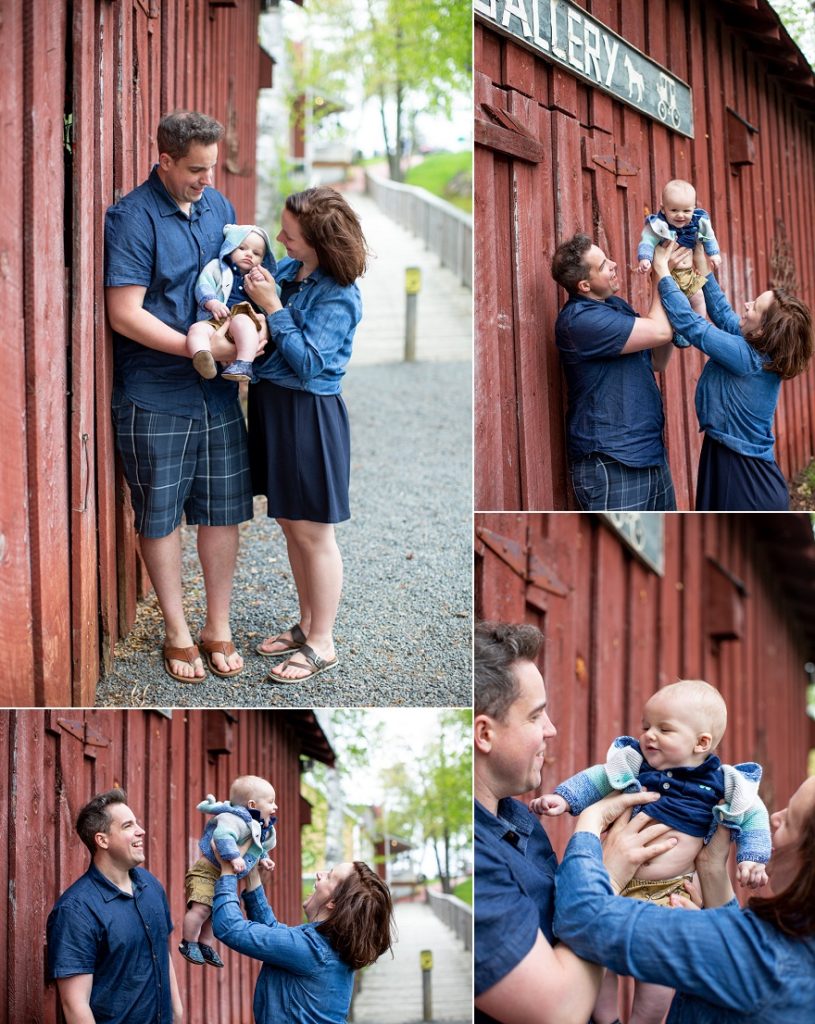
(521,975)
(108,933)
(615,419)
(182,439)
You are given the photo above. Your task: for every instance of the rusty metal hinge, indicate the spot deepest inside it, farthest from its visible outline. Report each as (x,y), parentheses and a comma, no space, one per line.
(512,552)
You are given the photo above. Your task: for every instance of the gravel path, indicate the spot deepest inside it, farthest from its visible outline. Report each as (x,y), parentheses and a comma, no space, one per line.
(403,633)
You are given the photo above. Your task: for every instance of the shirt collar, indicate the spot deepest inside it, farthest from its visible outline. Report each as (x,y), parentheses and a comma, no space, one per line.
(168,205)
(108,890)
(513,824)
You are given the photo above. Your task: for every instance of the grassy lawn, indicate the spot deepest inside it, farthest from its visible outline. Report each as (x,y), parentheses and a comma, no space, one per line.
(464,891)
(447,175)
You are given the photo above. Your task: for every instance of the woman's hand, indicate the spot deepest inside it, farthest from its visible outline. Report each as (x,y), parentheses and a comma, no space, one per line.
(711,867)
(261,289)
(630,843)
(230,867)
(700,260)
(693,900)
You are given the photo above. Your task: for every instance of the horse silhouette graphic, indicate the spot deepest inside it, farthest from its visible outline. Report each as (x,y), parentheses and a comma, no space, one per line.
(635,79)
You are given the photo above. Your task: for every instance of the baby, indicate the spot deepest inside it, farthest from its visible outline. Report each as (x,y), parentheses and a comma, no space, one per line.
(682,725)
(219,292)
(248,814)
(680,220)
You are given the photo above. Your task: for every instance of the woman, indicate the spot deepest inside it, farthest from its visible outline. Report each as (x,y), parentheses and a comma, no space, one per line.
(308,970)
(727,965)
(738,390)
(299,440)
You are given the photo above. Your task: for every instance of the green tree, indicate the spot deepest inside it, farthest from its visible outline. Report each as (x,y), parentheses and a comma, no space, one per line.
(798,17)
(410,55)
(431,801)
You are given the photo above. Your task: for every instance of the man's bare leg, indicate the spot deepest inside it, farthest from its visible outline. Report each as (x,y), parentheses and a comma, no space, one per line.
(162,556)
(218,552)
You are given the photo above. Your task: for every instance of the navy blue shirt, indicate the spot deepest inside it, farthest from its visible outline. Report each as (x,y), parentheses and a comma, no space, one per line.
(514,891)
(614,406)
(151,242)
(95,928)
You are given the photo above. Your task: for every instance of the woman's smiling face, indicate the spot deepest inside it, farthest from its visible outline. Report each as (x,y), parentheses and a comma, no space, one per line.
(754,311)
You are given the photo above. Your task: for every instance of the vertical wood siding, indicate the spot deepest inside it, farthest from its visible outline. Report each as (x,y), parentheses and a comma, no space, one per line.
(70,575)
(537,186)
(616,631)
(52,762)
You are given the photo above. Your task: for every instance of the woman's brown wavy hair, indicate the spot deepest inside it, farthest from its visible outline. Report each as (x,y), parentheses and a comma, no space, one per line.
(785,336)
(793,910)
(360,924)
(332,229)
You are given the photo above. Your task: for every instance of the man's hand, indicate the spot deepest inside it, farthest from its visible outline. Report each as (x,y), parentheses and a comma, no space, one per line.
(550,805)
(643,266)
(630,843)
(751,874)
(222,348)
(219,309)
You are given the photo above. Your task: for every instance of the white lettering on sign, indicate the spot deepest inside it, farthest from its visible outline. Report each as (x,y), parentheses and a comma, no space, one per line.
(569,35)
(516,9)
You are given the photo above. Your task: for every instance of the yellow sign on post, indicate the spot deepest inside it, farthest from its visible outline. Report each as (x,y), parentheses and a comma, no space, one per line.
(413,280)
(426,959)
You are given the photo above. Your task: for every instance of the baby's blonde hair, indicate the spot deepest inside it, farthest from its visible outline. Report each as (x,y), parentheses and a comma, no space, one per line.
(678,185)
(702,700)
(246,788)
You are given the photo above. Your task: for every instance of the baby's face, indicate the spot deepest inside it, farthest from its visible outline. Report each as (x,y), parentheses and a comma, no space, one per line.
(265,803)
(249,254)
(678,206)
(669,733)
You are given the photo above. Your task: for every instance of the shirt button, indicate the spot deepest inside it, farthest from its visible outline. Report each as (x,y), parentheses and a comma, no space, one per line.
(670,774)
(666,785)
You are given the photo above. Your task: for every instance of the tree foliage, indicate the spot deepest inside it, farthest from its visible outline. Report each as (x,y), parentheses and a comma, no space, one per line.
(430,802)
(798,17)
(407,55)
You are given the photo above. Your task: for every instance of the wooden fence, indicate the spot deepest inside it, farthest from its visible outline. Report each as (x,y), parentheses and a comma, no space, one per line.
(82,86)
(732,604)
(54,761)
(556,154)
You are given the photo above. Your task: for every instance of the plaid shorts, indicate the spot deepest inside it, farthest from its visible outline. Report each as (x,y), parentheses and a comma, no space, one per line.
(176,465)
(601,484)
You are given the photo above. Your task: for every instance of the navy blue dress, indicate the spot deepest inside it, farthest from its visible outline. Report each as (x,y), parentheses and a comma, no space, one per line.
(299,448)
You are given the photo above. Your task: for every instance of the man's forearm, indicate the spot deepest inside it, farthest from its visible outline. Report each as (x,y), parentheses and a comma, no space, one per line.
(78,1014)
(141,326)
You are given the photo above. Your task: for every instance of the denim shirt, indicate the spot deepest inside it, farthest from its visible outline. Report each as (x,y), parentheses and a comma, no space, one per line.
(615,407)
(302,978)
(96,928)
(514,891)
(735,397)
(152,243)
(312,336)
(727,965)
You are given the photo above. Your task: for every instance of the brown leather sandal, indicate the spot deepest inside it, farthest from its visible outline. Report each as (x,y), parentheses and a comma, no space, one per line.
(298,638)
(224,647)
(188,654)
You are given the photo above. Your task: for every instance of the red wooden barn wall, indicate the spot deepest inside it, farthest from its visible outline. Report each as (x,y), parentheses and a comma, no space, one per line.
(615,631)
(53,761)
(537,186)
(69,573)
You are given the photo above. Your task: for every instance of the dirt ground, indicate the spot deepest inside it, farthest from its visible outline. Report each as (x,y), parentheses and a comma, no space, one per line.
(802,490)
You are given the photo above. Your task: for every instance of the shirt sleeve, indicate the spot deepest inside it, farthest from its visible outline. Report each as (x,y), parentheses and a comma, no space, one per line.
(506,920)
(598,330)
(129,249)
(721,955)
(308,338)
(269,941)
(718,308)
(73,940)
(730,350)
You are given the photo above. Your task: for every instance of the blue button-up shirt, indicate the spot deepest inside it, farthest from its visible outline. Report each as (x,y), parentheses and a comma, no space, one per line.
(735,397)
(614,406)
(302,979)
(727,965)
(152,243)
(96,928)
(514,891)
(312,336)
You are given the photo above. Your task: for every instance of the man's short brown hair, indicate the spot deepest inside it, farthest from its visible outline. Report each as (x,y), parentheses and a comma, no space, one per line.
(569,265)
(179,129)
(498,646)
